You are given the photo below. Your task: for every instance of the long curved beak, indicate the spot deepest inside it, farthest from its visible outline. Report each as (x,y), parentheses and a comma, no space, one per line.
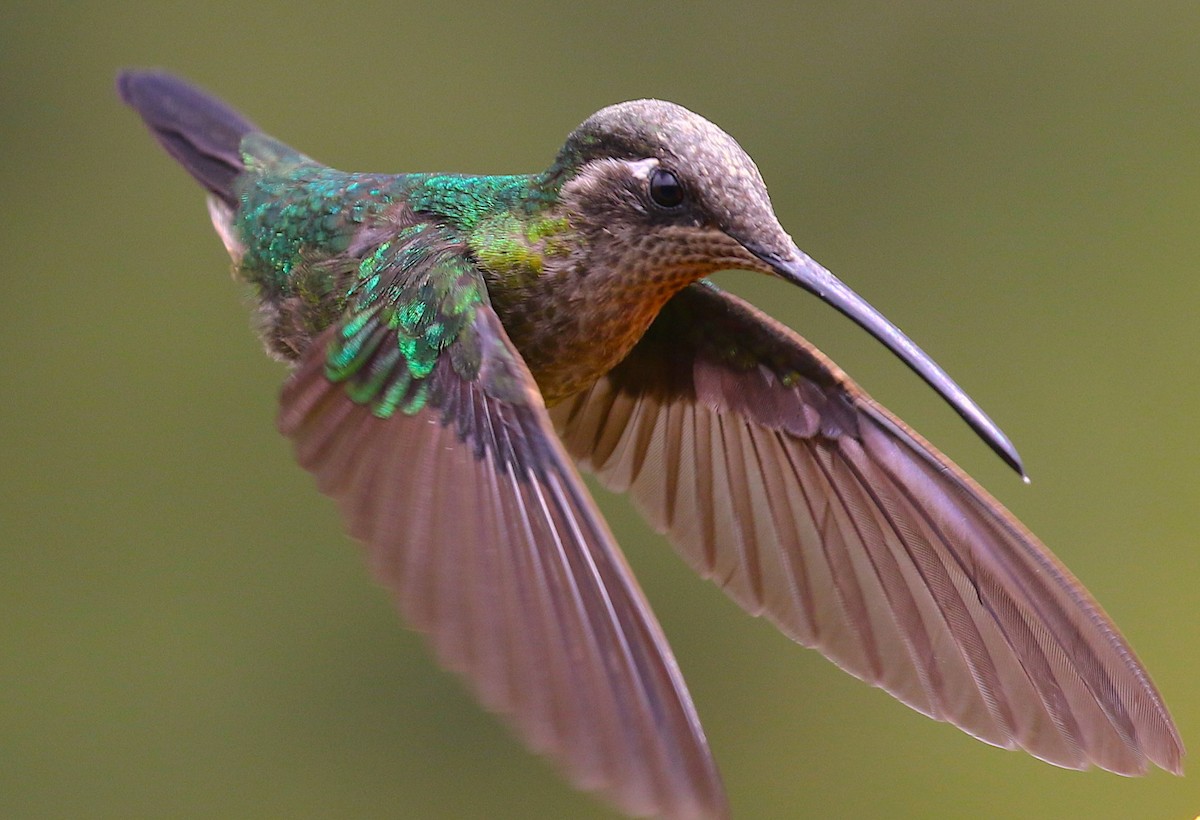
(799,269)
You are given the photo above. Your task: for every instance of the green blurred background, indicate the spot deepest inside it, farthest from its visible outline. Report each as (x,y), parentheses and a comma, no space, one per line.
(186,631)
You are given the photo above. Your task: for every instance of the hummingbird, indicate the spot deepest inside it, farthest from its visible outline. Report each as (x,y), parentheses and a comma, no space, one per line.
(461,346)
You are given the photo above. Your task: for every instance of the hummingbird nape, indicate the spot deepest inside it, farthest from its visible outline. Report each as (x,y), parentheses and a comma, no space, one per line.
(459,343)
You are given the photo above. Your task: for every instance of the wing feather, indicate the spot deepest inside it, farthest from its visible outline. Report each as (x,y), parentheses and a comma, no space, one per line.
(477,522)
(778,478)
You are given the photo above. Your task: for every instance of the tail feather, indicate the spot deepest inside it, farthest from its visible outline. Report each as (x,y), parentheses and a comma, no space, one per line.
(201,132)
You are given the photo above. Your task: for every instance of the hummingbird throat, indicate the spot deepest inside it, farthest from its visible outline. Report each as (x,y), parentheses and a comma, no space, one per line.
(574,314)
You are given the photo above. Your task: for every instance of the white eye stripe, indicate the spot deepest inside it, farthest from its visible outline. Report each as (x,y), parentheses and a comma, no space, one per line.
(641,168)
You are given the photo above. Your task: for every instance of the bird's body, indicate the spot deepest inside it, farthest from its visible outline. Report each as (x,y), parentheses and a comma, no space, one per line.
(569,329)
(573,296)
(457,341)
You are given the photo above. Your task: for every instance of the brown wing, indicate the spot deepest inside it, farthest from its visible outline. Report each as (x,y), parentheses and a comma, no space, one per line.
(778,478)
(477,522)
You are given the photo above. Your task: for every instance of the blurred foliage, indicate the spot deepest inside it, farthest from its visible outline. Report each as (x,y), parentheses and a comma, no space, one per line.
(188,633)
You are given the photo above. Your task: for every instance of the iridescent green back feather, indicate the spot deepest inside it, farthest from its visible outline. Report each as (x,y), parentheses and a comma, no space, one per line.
(396,262)
(415,298)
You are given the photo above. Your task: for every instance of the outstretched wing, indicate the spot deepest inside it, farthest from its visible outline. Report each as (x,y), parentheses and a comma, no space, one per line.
(778,478)
(419,417)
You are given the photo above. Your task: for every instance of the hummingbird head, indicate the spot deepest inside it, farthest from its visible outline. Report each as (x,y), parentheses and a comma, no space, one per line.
(663,196)
(656,182)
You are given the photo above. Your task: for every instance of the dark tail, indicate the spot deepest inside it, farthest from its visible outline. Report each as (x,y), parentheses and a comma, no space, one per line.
(201,132)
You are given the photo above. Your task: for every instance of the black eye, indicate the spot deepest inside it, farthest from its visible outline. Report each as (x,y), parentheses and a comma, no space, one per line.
(665,189)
